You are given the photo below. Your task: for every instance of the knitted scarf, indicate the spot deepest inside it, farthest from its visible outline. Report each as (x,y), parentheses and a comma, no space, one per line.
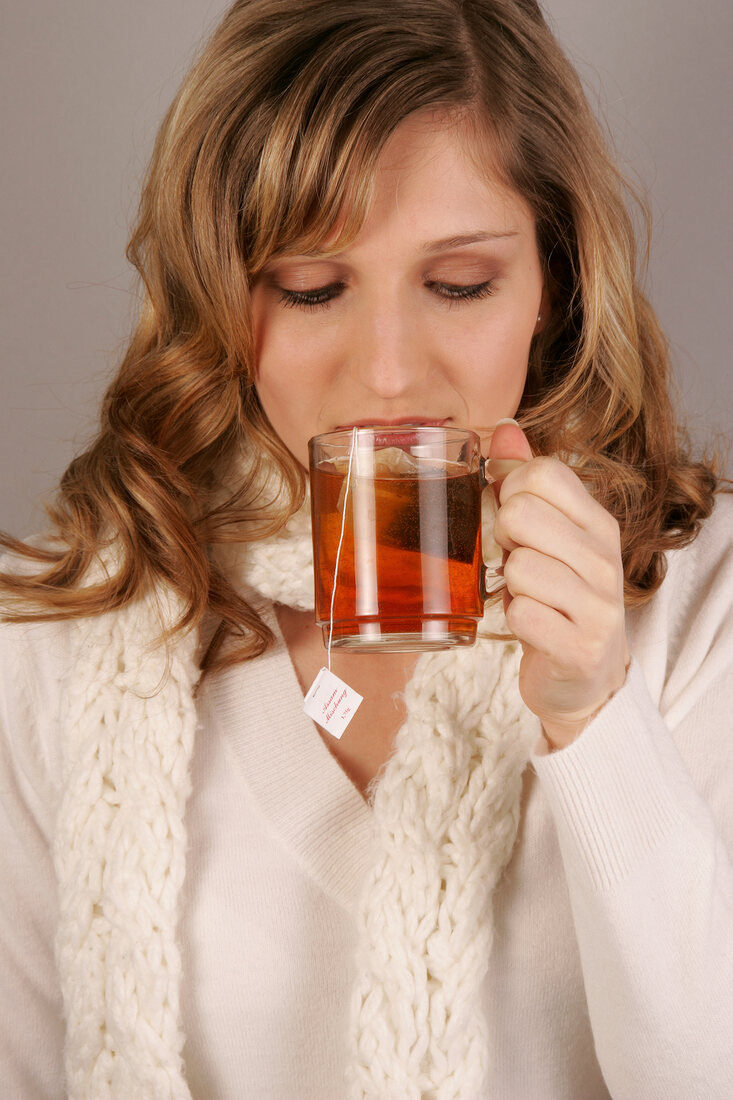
(445,812)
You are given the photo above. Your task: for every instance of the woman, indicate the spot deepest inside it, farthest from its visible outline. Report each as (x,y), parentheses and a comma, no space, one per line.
(373,212)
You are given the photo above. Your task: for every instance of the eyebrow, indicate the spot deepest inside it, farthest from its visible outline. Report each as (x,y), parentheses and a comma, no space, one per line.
(465,238)
(430,248)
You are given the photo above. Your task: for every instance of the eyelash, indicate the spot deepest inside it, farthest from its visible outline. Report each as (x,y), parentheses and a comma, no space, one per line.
(320,297)
(471,293)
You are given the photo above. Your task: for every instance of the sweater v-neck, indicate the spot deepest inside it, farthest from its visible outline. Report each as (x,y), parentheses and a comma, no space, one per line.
(299,787)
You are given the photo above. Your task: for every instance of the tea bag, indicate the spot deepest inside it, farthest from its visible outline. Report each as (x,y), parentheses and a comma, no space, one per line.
(389,461)
(392,462)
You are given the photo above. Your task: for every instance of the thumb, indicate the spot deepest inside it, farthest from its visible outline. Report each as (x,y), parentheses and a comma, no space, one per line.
(508,449)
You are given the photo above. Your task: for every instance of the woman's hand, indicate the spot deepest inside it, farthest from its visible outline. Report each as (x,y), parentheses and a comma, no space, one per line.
(564,588)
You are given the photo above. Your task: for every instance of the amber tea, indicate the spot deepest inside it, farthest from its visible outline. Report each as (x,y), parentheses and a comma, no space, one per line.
(397,552)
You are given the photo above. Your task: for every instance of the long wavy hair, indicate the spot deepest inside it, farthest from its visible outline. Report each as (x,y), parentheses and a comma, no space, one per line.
(271,145)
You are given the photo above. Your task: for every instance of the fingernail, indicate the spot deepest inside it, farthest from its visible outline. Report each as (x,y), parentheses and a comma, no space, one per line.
(507,420)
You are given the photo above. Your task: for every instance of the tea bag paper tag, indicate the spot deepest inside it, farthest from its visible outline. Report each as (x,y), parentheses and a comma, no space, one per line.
(331,703)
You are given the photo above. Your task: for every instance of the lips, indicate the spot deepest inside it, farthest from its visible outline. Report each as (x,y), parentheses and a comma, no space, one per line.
(392,436)
(385,422)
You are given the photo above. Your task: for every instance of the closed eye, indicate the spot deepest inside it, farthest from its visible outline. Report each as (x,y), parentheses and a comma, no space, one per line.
(459,293)
(318,297)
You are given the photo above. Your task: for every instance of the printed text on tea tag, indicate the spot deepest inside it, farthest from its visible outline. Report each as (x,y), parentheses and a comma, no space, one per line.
(331,703)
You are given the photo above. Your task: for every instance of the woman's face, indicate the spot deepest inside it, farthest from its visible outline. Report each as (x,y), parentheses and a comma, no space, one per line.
(426,317)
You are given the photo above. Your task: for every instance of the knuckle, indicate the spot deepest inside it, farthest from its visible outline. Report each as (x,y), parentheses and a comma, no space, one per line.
(512,512)
(543,471)
(593,650)
(516,565)
(616,618)
(519,615)
(510,573)
(513,615)
(499,531)
(614,529)
(605,573)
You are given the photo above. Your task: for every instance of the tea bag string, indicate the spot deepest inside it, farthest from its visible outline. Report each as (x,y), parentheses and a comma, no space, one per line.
(352,450)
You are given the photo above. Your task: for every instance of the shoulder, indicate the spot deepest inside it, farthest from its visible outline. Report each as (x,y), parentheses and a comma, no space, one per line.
(715,538)
(703,569)
(683,636)
(34,658)
(49,671)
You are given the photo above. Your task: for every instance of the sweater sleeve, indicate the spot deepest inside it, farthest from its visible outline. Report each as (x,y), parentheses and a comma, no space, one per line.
(31,1022)
(642,805)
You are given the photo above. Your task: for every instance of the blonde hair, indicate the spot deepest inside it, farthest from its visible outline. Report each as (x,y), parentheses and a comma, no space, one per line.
(272,143)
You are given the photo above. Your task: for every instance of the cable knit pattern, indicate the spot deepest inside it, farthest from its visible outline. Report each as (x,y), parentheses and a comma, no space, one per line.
(446,811)
(281,567)
(120,855)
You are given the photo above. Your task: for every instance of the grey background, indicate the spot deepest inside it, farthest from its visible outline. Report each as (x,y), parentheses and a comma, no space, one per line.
(84,85)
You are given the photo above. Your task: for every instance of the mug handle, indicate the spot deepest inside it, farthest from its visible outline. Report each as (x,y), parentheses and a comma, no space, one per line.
(492,470)
(496,469)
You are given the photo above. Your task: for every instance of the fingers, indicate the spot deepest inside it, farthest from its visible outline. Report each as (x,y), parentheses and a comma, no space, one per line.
(551,480)
(536,579)
(563,598)
(551,582)
(509,442)
(569,653)
(516,471)
(589,547)
(509,449)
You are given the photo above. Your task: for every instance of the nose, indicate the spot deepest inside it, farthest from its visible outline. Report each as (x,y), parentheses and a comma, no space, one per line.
(387,355)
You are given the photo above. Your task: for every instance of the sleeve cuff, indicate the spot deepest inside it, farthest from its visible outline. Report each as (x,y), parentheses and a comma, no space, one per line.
(619,789)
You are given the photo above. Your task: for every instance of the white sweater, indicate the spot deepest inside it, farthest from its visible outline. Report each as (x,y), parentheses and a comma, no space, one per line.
(611,972)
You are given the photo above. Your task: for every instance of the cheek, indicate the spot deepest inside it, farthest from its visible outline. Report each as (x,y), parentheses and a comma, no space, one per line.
(498,353)
(278,355)
(285,403)
(291,378)
(282,385)
(291,374)
(492,371)
(511,349)
(290,350)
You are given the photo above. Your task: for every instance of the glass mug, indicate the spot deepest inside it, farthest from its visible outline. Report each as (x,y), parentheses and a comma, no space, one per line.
(397,556)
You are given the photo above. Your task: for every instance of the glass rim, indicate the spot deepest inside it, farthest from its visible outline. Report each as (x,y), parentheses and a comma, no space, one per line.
(426,431)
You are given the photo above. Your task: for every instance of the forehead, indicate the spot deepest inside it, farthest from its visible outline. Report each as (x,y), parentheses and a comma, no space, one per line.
(445,154)
(434,184)
(436,177)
